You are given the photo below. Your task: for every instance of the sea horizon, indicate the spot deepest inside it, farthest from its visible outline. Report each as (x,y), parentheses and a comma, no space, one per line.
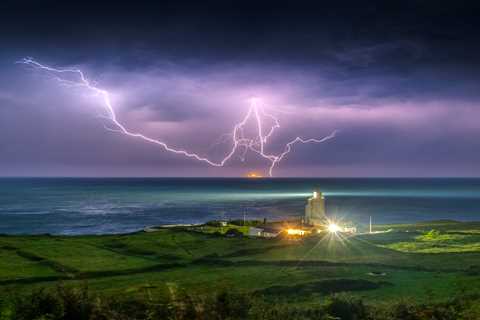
(82,205)
(239,177)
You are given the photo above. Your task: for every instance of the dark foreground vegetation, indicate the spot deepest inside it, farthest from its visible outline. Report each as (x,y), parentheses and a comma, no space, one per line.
(64,303)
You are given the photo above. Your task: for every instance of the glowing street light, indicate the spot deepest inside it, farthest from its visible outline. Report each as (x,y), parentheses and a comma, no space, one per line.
(296,232)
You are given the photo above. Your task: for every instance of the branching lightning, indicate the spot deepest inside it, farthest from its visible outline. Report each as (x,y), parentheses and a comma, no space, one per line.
(240,142)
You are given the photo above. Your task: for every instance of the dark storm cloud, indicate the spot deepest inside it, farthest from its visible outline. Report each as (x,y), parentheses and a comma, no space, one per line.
(399,79)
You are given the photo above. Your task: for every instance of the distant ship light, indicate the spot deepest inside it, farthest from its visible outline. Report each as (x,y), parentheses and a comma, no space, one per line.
(254,174)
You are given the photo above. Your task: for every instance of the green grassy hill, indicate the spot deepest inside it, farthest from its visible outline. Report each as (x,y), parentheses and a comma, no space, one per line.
(406,262)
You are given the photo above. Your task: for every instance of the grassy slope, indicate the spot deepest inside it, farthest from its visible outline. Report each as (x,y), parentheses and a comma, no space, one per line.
(168,260)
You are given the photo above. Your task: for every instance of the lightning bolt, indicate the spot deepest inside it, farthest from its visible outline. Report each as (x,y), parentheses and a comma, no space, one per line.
(239,140)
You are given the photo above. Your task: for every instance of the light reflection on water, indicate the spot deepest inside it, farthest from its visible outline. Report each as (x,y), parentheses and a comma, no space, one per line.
(76,206)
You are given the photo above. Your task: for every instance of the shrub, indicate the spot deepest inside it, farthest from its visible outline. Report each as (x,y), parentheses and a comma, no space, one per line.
(40,304)
(66,303)
(346,308)
(233,233)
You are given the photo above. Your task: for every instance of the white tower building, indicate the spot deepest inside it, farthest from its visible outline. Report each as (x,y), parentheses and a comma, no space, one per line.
(315,209)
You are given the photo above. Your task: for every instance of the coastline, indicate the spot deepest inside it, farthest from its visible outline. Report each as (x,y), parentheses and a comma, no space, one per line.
(278,224)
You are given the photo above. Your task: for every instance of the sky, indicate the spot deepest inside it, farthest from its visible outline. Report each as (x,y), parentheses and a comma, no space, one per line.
(398,80)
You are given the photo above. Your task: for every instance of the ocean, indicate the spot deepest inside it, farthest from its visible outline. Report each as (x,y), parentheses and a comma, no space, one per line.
(119,205)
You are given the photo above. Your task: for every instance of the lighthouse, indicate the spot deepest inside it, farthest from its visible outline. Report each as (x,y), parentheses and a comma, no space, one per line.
(315,209)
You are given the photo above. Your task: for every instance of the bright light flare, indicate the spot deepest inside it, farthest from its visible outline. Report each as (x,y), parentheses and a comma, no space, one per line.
(240,143)
(333,228)
(296,232)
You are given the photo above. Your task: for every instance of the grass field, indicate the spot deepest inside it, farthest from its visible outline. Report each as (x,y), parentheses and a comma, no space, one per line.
(408,261)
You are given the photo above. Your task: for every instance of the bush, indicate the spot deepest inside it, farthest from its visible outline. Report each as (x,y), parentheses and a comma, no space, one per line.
(227,305)
(233,233)
(346,308)
(65,303)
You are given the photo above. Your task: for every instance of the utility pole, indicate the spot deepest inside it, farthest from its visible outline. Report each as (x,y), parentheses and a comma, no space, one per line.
(244,217)
(370,224)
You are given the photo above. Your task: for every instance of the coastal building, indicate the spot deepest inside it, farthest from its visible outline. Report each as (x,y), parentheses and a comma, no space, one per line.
(269,232)
(264,232)
(223,223)
(315,210)
(255,232)
(298,232)
(350,229)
